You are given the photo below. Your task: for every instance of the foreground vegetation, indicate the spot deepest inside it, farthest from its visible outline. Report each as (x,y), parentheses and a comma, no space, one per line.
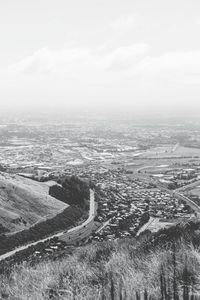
(163,266)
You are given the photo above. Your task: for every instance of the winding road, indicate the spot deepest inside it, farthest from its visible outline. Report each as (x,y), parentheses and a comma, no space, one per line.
(72,231)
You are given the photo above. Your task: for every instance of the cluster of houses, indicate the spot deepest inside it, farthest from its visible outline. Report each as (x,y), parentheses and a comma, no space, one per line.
(125,204)
(166,206)
(48,249)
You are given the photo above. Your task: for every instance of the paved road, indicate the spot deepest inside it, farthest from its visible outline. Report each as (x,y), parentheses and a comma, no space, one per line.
(179,195)
(189,186)
(191,203)
(145,226)
(175,147)
(91,216)
(104,225)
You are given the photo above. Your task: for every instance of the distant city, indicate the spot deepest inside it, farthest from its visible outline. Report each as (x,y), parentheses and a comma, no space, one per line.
(135,168)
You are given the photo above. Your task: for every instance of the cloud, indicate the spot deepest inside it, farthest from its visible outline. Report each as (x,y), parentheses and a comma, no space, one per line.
(124,58)
(197,21)
(76,61)
(172,66)
(124,22)
(46,60)
(90,65)
(126,75)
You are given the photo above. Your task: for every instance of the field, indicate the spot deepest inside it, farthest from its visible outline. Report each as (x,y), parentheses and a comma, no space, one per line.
(171,151)
(161,159)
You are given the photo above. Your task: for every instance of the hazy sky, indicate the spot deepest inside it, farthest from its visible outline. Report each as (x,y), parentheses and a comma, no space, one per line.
(140,55)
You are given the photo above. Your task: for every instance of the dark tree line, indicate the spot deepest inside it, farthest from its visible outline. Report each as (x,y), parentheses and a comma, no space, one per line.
(71,190)
(61,221)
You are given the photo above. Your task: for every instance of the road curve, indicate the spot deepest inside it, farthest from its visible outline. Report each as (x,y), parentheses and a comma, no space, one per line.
(182,197)
(191,203)
(59,234)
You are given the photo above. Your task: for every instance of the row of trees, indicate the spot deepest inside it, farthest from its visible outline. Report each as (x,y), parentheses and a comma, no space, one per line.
(72,190)
(64,220)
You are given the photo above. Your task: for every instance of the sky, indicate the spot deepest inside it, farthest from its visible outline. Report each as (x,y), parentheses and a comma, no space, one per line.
(100,55)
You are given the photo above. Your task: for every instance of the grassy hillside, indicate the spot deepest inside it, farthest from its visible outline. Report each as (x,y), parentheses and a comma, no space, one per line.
(24,202)
(146,268)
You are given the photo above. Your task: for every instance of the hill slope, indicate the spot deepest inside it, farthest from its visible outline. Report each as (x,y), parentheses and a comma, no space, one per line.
(144,268)
(24,202)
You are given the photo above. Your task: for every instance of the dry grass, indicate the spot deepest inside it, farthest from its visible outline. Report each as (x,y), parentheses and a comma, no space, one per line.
(104,271)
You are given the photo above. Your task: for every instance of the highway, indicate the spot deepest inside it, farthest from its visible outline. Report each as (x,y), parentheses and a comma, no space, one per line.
(92,214)
(84,230)
(71,232)
(176,193)
(188,186)
(191,203)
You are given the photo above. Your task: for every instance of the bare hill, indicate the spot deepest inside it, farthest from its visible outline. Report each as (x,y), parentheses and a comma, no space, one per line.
(24,202)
